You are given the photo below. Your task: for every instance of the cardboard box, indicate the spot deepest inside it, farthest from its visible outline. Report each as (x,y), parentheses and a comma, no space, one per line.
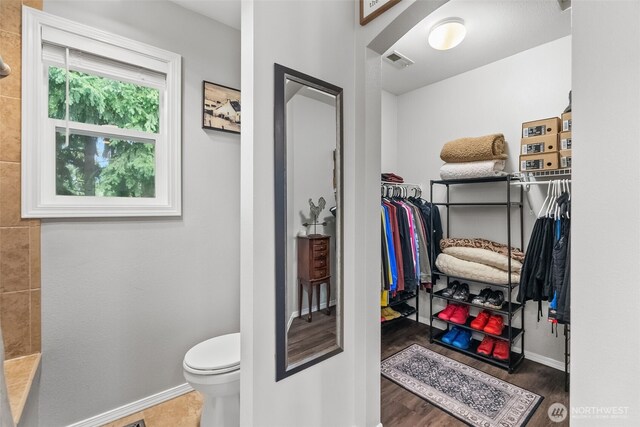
(566,122)
(539,144)
(565,140)
(541,127)
(565,159)
(538,162)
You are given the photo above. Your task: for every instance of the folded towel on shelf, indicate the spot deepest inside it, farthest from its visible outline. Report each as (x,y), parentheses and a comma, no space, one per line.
(516,253)
(484,256)
(488,147)
(467,170)
(453,266)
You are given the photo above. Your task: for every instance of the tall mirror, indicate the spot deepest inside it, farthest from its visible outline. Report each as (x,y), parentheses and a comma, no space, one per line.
(308,228)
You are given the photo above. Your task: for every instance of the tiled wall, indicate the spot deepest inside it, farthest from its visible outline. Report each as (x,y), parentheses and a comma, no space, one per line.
(19,239)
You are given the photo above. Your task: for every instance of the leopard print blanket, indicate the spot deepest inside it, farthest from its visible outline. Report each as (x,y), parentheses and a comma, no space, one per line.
(516,253)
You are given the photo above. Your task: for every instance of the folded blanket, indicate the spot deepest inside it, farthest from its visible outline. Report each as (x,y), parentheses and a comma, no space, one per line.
(489,147)
(484,256)
(473,271)
(516,253)
(466,170)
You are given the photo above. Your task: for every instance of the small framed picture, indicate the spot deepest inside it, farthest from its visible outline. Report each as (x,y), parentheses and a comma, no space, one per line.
(220,108)
(371,9)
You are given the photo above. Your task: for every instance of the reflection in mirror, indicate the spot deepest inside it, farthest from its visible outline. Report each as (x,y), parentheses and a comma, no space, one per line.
(308,221)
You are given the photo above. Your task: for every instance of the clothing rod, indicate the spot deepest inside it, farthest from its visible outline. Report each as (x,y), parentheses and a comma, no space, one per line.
(400,184)
(539,182)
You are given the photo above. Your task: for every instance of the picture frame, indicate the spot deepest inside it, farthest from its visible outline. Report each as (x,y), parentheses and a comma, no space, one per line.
(220,108)
(371,9)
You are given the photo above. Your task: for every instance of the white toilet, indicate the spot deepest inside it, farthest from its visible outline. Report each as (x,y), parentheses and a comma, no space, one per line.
(213,368)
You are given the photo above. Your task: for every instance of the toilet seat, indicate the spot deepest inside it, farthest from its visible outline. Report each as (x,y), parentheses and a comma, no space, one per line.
(214,356)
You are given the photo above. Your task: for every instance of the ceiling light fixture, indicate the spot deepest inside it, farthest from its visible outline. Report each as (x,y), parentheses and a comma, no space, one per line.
(447,34)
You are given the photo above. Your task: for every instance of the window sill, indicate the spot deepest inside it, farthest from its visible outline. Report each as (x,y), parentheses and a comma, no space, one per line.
(19,375)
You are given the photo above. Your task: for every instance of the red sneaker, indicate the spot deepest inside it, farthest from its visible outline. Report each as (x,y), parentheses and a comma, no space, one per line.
(501,350)
(495,325)
(460,315)
(486,346)
(447,312)
(481,320)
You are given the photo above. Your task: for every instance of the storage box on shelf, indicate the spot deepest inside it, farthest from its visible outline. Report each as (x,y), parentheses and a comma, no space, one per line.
(509,309)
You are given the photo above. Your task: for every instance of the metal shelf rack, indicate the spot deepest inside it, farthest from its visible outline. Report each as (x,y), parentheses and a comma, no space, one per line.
(509,309)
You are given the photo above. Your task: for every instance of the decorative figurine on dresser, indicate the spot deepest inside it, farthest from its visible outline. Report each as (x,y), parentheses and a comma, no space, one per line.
(314,267)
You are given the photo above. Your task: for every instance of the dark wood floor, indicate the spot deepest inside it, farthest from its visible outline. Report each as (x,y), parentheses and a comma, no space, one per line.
(307,338)
(401,408)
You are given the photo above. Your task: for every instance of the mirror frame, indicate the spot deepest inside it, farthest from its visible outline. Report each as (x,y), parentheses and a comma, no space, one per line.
(283,73)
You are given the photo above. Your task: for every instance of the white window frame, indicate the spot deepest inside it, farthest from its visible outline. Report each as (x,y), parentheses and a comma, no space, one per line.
(39,198)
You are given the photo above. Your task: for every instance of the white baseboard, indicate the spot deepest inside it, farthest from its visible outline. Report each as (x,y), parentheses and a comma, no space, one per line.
(133,407)
(544,360)
(305,311)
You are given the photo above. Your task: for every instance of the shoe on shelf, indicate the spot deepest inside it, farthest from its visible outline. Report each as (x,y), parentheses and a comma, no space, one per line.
(460,315)
(389,314)
(486,346)
(481,320)
(451,335)
(495,300)
(481,298)
(404,308)
(501,350)
(462,294)
(451,289)
(462,340)
(447,312)
(495,325)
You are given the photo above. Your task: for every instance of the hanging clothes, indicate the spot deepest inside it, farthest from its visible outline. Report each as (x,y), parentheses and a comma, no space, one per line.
(407,245)
(545,274)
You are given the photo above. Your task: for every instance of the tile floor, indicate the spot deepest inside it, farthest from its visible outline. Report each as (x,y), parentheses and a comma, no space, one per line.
(183,411)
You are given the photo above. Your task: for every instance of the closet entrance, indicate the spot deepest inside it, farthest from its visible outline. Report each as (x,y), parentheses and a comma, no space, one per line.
(475,216)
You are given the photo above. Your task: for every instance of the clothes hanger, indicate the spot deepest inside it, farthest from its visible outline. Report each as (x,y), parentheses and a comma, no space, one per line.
(545,200)
(552,199)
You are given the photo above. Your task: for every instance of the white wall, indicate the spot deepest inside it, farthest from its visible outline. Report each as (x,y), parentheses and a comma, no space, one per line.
(311,139)
(316,38)
(389,129)
(494,98)
(123,300)
(606,211)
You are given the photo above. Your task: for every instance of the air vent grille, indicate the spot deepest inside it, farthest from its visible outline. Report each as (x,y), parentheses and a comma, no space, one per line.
(398,60)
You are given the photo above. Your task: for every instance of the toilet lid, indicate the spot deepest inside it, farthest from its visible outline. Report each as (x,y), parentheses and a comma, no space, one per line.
(219,353)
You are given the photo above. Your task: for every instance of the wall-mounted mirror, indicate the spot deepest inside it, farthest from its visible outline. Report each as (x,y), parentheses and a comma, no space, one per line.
(308,199)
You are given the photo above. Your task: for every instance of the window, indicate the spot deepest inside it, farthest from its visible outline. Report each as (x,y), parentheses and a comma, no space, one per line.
(101,123)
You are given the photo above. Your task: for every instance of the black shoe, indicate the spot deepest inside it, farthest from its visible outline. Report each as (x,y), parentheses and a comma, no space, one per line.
(451,289)
(404,308)
(482,298)
(462,294)
(495,300)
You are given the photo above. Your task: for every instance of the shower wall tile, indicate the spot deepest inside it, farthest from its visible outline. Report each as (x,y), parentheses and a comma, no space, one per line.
(16,323)
(34,256)
(10,46)
(35,322)
(11,16)
(10,115)
(19,238)
(14,259)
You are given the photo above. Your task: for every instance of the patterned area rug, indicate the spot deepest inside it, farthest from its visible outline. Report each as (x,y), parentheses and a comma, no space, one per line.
(468,394)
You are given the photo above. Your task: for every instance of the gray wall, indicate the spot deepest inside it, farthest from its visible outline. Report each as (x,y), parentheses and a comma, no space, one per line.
(605,212)
(494,98)
(123,300)
(316,38)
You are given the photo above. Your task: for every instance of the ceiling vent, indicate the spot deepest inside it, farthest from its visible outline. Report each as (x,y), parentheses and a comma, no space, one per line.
(398,60)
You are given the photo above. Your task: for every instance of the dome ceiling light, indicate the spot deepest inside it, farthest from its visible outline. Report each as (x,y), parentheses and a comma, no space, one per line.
(447,34)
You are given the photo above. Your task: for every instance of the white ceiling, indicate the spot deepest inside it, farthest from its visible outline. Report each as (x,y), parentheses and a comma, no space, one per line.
(225,11)
(495,30)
